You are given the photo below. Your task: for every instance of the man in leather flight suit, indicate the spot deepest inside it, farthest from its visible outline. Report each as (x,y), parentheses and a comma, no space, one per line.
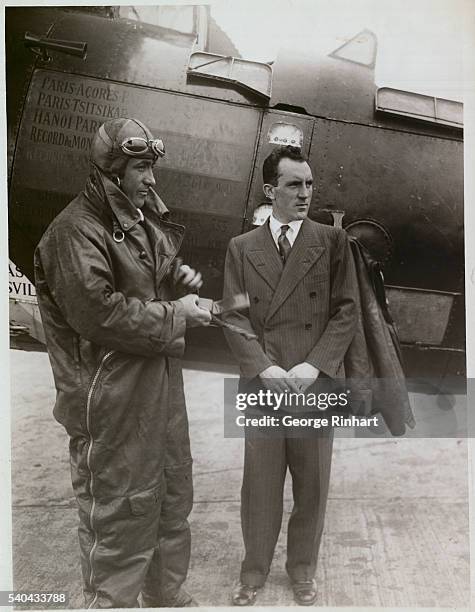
(109,296)
(302,287)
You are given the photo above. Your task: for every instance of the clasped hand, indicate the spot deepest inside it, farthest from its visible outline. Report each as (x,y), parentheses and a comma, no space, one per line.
(297,379)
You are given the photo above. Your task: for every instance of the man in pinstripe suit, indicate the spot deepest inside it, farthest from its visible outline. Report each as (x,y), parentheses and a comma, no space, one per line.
(301,284)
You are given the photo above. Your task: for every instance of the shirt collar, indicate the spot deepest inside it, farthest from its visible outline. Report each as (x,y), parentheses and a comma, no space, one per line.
(275,225)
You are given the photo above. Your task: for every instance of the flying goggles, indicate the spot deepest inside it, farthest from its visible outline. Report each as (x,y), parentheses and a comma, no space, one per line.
(136,146)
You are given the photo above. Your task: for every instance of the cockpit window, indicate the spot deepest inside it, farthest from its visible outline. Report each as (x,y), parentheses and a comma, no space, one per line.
(253,76)
(361,49)
(418,106)
(180,18)
(186,19)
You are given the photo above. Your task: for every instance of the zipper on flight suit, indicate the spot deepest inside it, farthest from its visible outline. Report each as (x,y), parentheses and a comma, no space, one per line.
(88,462)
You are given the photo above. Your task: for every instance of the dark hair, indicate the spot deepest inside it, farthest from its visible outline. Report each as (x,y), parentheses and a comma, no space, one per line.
(270,172)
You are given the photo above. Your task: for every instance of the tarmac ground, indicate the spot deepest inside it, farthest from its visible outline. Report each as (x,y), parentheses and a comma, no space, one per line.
(396,531)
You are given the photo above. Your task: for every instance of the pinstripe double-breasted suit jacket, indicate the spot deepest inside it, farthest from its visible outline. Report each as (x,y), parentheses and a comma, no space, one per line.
(303,311)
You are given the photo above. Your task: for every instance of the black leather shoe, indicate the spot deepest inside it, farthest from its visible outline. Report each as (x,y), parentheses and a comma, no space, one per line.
(181,600)
(244,595)
(305,592)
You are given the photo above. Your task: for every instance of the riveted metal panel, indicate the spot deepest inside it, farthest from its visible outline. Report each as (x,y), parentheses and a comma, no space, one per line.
(406,189)
(203,178)
(139,53)
(337,86)
(412,185)
(270,136)
(325,86)
(422,316)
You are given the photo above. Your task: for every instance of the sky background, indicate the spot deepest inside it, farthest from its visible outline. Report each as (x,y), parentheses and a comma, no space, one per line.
(420,42)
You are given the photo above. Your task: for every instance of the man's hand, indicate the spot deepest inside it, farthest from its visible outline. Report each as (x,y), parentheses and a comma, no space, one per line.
(187,280)
(195,316)
(305,374)
(277,380)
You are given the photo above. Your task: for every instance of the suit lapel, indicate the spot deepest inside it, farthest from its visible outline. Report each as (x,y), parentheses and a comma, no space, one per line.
(305,252)
(265,258)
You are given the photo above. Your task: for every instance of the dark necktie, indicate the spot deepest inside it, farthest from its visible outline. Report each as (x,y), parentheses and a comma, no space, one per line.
(284,244)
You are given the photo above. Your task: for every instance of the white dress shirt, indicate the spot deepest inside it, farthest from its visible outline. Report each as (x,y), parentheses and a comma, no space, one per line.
(292,232)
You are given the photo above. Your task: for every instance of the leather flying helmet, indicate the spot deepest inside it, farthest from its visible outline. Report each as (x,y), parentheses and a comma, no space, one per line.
(118,140)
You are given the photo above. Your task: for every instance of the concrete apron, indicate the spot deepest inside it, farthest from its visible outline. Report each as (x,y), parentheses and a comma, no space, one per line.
(396,531)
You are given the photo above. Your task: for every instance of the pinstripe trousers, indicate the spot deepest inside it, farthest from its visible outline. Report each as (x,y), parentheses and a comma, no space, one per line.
(266,460)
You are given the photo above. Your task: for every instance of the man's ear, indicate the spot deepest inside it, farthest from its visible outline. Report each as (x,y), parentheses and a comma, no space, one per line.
(269,191)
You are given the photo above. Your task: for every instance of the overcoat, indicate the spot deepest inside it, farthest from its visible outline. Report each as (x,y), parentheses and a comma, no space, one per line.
(373,361)
(113,334)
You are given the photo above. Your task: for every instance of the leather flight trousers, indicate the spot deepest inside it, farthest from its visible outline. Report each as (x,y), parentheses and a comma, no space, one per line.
(139,544)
